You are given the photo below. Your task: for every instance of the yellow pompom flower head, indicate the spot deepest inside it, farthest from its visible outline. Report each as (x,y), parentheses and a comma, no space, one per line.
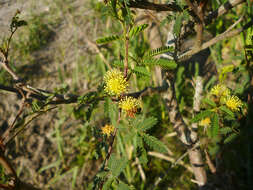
(107,130)
(233,103)
(205,122)
(129,105)
(115,82)
(220,90)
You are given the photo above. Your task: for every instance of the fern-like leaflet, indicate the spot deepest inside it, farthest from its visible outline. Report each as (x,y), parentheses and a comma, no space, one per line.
(108,39)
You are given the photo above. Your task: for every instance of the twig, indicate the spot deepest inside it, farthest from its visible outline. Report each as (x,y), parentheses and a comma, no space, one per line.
(74,98)
(142,173)
(3,186)
(194,8)
(10,170)
(112,141)
(222,10)
(173,134)
(9,41)
(7,132)
(185,154)
(233,25)
(155,7)
(159,179)
(170,159)
(9,70)
(197,182)
(224,35)
(209,162)
(7,140)
(110,149)
(6,164)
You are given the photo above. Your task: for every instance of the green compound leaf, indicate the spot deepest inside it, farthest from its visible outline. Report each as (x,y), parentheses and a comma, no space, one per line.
(108,39)
(215,125)
(146,124)
(137,29)
(139,142)
(166,64)
(177,25)
(108,183)
(154,143)
(142,71)
(209,102)
(202,115)
(225,130)
(227,111)
(230,138)
(143,157)
(118,63)
(116,165)
(158,51)
(123,186)
(224,71)
(163,63)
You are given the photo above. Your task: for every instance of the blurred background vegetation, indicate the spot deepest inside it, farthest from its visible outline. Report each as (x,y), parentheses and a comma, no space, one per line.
(62,149)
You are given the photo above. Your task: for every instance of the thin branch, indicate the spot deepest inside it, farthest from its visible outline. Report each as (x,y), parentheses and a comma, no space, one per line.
(233,25)
(59,99)
(9,70)
(9,41)
(222,10)
(9,138)
(10,170)
(195,10)
(110,149)
(185,154)
(3,186)
(170,159)
(224,35)
(142,173)
(9,129)
(155,7)
(209,162)
(7,166)
(173,134)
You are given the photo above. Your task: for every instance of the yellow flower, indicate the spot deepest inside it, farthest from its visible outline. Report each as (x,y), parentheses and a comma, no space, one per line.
(107,130)
(220,90)
(233,103)
(205,122)
(129,105)
(115,82)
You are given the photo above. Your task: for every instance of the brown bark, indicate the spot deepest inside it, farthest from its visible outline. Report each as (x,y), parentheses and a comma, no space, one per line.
(186,135)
